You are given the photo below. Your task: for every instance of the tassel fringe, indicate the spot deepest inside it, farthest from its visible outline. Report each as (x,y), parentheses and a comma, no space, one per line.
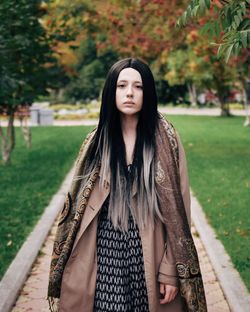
(53,304)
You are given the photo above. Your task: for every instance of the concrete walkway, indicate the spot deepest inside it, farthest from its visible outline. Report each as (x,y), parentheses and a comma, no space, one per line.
(163,109)
(33,295)
(198,111)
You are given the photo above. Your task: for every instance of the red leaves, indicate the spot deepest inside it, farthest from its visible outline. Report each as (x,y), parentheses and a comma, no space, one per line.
(144,28)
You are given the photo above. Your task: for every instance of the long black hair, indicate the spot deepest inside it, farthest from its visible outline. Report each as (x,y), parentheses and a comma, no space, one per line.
(108,148)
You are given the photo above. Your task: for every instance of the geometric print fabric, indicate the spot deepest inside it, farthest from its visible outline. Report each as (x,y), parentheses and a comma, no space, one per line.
(120,283)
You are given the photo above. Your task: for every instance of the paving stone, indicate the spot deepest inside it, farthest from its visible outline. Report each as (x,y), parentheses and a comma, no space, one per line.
(217,309)
(18,309)
(23,298)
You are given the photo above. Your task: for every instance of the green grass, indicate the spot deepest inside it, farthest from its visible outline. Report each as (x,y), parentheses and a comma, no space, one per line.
(218,153)
(27,186)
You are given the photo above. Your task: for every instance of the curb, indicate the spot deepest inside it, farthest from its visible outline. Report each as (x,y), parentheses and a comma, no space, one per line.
(231,283)
(20,267)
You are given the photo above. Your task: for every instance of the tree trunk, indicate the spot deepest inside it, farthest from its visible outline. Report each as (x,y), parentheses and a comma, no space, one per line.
(25,130)
(7,139)
(246,100)
(225,110)
(222,91)
(192,94)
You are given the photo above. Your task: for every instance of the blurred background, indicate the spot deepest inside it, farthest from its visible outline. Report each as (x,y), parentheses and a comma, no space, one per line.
(54,57)
(58,52)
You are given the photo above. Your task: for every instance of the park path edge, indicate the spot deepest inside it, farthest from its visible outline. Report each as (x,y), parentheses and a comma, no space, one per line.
(231,283)
(19,269)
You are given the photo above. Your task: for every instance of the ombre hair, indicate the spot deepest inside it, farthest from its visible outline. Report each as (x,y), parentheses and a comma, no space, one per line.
(108,149)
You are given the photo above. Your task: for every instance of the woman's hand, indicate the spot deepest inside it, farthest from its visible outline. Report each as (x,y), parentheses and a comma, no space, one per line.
(169,292)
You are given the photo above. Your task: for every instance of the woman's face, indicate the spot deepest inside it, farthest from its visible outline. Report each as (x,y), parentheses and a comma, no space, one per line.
(129,92)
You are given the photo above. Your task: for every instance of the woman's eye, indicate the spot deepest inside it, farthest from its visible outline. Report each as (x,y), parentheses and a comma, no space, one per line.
(121,86)
(140,87)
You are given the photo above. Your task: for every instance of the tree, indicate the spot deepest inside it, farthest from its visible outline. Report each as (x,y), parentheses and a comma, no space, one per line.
(144,29)
(227,22)
(230,23)
(25,61)
(71,24)
(242,63)
(185,67)
(197,64)
(90,72)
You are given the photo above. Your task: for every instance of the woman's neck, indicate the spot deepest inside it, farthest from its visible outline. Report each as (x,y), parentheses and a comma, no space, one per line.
(128,125)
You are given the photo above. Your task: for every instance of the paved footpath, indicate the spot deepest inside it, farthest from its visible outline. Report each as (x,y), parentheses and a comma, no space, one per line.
(163,109)
(33,295)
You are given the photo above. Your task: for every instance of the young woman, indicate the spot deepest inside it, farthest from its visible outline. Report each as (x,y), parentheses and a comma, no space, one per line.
(123,241)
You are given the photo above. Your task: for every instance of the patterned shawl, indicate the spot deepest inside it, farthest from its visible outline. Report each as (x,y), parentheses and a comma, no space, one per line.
(172,209)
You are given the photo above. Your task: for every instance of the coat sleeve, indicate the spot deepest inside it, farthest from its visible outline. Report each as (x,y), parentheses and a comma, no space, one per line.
(167,270)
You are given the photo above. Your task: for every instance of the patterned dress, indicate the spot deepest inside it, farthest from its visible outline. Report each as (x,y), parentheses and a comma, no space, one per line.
(120,283)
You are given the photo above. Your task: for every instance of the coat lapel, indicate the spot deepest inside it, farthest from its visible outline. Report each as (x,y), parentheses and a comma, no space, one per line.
(97,198)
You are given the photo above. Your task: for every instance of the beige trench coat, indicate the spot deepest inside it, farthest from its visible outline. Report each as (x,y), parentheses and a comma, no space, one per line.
(79,277)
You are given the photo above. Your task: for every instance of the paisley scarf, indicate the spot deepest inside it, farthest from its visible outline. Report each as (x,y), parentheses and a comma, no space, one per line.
(172,209)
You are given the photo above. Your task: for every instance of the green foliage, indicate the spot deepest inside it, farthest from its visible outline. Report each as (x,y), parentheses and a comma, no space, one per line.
(218,154)
(184,67)
(232,21)
(91,69)
(69,24)
(24,52)
(27,186)
(66,18)
(86,85)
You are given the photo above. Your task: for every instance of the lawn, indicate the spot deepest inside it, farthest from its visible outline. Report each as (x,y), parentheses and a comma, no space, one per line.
(27,186)
(218,153)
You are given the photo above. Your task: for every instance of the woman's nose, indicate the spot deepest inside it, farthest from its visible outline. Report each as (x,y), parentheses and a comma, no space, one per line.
(129,90)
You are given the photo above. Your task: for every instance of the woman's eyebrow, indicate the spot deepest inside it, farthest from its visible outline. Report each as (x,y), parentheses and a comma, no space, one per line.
(124,80)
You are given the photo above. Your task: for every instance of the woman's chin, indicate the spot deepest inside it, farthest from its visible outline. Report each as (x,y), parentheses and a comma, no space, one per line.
(129,112)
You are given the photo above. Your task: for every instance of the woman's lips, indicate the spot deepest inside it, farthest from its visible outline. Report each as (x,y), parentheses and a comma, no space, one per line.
(129,103)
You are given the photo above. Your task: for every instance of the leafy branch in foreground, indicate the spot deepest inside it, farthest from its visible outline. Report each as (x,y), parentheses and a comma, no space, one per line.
(227,20)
